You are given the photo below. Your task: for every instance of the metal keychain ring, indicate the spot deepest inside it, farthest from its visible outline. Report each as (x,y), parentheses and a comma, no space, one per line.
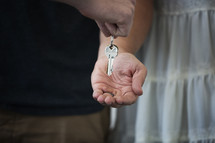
(111,94)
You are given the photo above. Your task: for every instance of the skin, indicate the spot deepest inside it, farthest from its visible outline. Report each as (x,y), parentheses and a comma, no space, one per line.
(125,82)
(128,72)
(114,17)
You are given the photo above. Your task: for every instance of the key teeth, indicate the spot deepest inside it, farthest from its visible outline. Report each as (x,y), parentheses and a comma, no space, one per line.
(109,73)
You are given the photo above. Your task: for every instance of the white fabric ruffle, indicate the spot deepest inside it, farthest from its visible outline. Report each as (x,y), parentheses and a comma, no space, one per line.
(178,103)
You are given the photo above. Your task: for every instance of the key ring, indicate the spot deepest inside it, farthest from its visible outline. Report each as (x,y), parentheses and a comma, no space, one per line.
(111,41)
(111,94)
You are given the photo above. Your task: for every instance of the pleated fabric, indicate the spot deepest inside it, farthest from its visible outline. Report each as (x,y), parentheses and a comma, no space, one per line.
(178,103)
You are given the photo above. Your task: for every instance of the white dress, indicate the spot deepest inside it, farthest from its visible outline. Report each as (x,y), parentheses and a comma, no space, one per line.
(178,103)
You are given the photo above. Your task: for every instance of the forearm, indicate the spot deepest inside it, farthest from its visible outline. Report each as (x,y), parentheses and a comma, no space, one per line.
(140,28)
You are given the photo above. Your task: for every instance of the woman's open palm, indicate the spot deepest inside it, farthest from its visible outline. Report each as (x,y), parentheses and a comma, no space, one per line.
(123,86)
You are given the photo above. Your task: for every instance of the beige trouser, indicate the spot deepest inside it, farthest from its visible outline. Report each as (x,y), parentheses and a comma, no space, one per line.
(18,128)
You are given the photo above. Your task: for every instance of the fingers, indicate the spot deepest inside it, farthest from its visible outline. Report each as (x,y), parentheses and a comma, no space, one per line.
(112,28)
(97,93)
(116,101)
(103,28)
(115,30)
(106,99)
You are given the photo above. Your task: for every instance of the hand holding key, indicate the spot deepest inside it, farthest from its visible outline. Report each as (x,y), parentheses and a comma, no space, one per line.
(113,17)
(123,86)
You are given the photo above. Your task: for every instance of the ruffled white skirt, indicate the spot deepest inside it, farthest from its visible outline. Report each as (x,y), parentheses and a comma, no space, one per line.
(178,103)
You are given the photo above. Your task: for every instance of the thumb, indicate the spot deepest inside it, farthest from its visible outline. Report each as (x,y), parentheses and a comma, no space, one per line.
(138,80)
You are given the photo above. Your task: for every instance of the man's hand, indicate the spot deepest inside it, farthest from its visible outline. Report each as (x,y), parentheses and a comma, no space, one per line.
(124,85)
(114,17)
(118,18)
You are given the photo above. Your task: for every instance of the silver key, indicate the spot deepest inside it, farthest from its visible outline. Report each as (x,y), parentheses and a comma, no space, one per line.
(111,52)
